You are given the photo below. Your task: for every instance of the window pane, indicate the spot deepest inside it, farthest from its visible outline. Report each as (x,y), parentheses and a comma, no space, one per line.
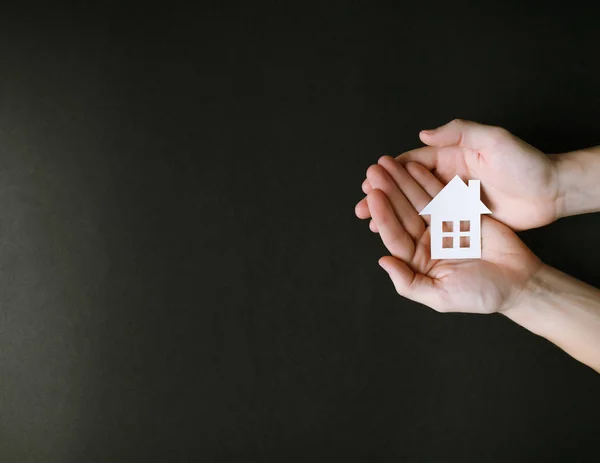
(447,242)
(465,242)
(465,226)
(447,227)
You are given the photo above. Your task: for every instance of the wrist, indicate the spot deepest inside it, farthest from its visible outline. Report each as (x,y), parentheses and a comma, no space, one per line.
(563,310)
(577,190)
(562,183)
(524,309)
(541,305)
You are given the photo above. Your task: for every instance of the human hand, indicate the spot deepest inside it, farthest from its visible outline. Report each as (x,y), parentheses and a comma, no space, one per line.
(519,183)
(490,284)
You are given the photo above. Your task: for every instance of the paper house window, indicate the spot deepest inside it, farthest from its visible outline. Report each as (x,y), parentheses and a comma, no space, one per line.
(458,232)
(456,221)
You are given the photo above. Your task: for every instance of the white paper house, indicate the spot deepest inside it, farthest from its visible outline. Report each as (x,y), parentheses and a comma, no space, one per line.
(456,221)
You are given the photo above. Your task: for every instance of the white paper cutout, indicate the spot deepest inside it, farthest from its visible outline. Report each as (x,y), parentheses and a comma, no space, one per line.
(456,221)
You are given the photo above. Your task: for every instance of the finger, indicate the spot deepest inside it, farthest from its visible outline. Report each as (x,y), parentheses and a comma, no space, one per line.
(466,134)
(362,209)
(395,238)
(426,155)
(414,286)
(401,274)
(425,179)
(407,184)
(373,226)
(405,211)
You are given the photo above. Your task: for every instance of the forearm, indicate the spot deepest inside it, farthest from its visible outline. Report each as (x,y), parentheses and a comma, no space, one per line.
(578,178)
(563,310)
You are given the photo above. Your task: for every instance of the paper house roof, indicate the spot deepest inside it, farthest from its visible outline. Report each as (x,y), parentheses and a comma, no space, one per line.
(457,200)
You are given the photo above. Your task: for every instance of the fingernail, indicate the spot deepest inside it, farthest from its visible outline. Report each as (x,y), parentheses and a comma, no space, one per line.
(428,131)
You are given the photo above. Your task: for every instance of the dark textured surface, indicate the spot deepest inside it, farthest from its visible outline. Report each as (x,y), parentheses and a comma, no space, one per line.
(182,276)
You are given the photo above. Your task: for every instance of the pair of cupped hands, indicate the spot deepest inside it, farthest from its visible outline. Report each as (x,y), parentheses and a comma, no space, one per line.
(520,186)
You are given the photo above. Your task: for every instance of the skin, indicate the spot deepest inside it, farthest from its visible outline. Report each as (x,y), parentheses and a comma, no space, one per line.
(519,182)
(486,285)
(526,189)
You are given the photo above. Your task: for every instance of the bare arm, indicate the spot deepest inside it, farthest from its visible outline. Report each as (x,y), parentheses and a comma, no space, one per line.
(578,181)
(563,310)
(554,305)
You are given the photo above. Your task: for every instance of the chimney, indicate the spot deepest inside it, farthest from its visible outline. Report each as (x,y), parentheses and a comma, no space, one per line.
(474,187)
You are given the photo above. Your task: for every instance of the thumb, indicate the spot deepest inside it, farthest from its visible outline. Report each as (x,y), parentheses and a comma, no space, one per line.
(410,284)
(466,134)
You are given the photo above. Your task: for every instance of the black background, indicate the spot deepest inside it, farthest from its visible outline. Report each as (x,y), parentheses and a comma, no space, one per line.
(182,277)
